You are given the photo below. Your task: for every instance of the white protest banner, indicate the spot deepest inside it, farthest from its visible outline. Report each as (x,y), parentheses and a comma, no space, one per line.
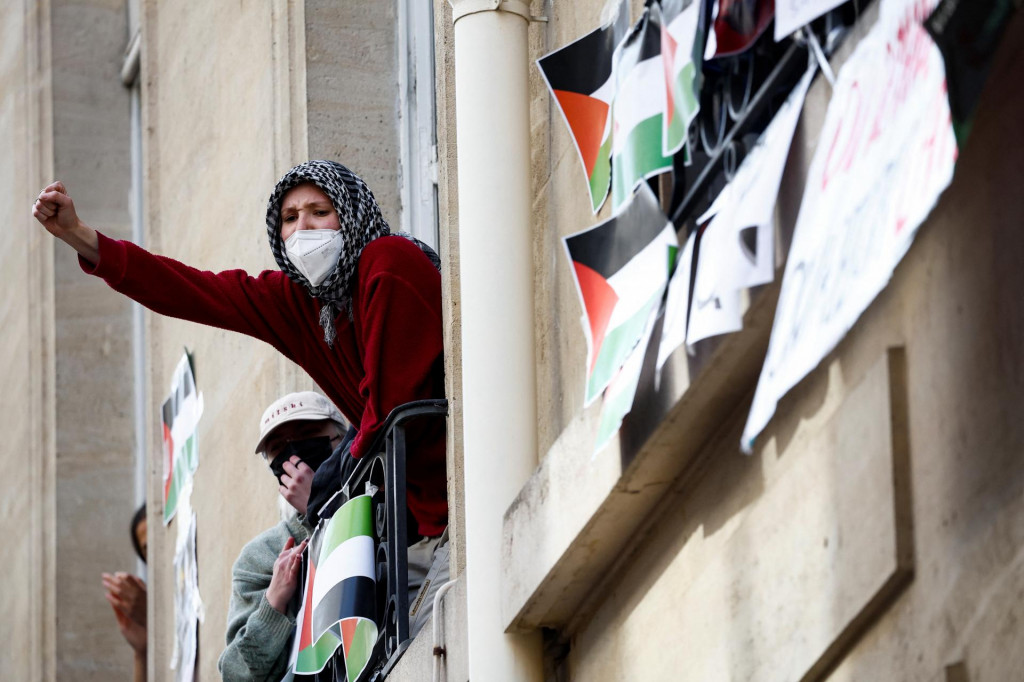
(886,153)
(717,314)
(792,14)
(737,248)
(188,604)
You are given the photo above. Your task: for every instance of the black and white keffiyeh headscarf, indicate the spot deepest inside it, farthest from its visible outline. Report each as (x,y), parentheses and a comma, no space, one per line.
(361,222)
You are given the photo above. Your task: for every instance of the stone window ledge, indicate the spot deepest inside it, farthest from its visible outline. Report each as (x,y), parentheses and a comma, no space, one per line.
(579,513)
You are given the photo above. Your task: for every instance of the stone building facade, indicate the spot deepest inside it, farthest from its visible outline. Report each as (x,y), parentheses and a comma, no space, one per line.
(876,533)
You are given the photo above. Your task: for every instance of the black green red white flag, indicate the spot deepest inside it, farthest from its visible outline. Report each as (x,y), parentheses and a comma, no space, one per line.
(180,415)
(621,268)
(682,51)
(638,109)
(339,593)
(621,391)
(579,77)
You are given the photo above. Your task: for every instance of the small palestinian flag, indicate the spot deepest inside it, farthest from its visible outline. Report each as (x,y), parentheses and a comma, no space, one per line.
(579,77)
(172,474)
(638,110)
(180,415)
(339,593)
(621,267)
(621,391)
(681,52)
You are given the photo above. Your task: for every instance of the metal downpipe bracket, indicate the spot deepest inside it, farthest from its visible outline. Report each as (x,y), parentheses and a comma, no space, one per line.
(461,8)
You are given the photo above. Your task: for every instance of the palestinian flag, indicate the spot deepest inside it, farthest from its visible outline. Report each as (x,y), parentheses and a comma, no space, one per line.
(638,110)
(172,474)
(621,391)
(579,76)
(621,268)
(179,416)
(339,593)
(681,53)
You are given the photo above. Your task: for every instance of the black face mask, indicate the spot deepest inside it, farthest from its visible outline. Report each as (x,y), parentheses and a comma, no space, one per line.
(312,451)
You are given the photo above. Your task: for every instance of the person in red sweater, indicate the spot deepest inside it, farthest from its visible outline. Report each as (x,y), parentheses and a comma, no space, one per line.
(356,307)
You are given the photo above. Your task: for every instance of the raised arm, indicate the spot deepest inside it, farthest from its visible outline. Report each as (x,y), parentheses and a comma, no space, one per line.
(257,306)
(55,210)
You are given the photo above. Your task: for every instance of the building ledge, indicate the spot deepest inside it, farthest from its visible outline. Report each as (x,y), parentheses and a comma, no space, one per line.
(579,513)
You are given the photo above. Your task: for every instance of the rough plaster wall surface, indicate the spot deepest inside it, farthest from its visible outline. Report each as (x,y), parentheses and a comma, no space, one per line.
(953,304)
(448,221)
(351,77)
(419,661)
(95,494)
(22,456)
(742,593)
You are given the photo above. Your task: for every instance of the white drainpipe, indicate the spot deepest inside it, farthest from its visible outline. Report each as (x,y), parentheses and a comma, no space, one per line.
(496,271)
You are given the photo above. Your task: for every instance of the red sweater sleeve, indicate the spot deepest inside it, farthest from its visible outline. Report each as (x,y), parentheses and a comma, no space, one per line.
(231,300)
(398,323)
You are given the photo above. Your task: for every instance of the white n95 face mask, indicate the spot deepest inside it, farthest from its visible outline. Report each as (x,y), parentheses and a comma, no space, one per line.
(314,253)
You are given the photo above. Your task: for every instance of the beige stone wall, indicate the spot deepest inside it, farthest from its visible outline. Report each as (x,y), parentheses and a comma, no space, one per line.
(209,156)
(68,408)
(448,222)
(350,52)
(95,473)
(26,415)
(875,534)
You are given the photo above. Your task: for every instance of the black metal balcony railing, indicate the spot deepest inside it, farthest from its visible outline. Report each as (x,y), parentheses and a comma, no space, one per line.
(382,476)
(738,98)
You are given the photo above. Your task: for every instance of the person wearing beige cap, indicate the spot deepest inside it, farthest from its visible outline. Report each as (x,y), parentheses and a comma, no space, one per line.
(297,433)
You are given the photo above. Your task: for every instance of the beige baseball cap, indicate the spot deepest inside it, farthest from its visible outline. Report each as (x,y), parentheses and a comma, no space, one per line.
(304,405)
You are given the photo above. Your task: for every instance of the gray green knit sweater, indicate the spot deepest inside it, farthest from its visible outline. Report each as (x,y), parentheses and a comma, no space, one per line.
(258,635)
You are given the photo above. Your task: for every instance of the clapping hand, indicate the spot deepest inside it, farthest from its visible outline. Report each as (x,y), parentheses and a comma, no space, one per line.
(286,575)
(127,596)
